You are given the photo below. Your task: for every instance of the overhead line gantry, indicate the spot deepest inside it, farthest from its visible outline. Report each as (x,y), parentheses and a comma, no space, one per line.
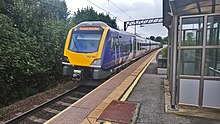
(142,22)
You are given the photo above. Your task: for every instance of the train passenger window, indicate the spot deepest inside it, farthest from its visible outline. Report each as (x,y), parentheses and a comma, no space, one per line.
(124,49)
(128,47)
(142,46)
(138,46)
(134,45)
(114,41)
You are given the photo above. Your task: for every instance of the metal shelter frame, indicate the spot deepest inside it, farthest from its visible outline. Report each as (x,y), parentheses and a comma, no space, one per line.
(174,11)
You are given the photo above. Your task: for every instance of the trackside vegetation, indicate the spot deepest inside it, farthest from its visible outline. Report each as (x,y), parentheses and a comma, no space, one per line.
(32,34)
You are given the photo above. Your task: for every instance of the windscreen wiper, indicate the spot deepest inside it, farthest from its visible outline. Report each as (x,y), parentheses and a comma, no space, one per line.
(75,45)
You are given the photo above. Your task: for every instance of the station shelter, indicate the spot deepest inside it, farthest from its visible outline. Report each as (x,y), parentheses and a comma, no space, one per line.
(193,51)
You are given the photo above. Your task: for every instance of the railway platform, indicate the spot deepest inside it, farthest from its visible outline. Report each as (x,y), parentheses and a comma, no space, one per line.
(88,109)
(138,83)
(150,93)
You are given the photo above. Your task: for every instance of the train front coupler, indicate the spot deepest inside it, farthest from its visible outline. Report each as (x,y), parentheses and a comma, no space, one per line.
(77,75)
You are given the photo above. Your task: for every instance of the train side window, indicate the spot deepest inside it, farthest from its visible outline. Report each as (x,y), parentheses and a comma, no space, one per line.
(124,48)
(130,47)
(138,46)
(134,44)
(116,41)
(112,43)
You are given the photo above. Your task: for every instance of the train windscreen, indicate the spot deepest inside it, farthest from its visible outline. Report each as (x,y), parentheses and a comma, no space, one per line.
(86,39)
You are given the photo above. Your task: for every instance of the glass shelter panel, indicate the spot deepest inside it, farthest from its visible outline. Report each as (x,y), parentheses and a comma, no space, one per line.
(212,62)
(213,26)
(190,61)
(211,93)
(189,91)
(192,31)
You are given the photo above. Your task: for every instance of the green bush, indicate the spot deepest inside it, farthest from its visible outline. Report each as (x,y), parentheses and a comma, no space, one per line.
(164,52)
(31,37)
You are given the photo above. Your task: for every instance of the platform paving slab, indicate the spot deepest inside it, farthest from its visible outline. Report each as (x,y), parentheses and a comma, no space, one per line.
(119,112)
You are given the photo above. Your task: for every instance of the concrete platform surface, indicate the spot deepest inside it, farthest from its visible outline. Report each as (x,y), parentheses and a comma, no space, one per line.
(84,110)
(149,92)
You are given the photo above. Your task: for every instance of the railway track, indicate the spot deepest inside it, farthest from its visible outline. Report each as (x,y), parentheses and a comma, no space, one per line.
(47,110)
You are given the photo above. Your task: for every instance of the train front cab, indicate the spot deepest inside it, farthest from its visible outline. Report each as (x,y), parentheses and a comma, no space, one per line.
(83,51)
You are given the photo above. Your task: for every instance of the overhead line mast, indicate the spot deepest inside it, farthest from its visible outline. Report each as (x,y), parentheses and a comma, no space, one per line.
(142,21)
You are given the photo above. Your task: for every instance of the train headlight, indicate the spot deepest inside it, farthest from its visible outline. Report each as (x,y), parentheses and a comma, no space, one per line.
(96,63)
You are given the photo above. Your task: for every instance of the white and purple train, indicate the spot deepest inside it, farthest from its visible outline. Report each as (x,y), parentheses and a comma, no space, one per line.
(93,49)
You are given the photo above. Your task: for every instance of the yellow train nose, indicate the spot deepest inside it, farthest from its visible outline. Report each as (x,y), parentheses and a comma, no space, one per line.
(81,59)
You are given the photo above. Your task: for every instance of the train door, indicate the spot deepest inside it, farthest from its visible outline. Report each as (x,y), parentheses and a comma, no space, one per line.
(116,48)
(137,47)
(133,41)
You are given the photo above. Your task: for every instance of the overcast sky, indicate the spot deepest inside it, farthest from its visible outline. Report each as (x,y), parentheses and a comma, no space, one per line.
(136,9)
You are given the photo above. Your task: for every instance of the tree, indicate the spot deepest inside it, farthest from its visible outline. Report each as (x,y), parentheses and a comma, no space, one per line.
(189,35)
(158,39)
(190,39)
(31,36)
(165,40)
(89,14)
(152,37)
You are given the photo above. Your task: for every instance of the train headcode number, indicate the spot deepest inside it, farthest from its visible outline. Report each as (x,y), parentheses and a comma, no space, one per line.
(91,56)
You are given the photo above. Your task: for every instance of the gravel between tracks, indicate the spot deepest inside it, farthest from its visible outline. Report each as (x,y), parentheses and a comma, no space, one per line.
(11,111)
(149,92)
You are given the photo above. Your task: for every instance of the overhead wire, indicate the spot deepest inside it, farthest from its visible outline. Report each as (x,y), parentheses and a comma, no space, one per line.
(91,3)
(105,10)
(120,9)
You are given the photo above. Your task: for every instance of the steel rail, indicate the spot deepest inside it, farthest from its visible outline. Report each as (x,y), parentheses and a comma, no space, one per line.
(39,107)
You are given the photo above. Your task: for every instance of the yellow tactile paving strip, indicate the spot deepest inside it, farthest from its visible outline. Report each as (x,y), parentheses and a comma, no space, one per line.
(129,83)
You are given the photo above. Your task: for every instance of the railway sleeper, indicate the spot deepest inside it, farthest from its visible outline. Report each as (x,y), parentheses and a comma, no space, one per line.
(63,103)
(36,119)
(54,111)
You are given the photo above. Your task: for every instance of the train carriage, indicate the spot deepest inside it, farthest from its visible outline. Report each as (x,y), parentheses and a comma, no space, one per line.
(93,49)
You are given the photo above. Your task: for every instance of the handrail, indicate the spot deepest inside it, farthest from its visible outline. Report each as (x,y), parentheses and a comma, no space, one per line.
(215,70)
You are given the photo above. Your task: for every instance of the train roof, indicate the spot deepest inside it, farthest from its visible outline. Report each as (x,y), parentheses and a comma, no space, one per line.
(92,23)
(100,23)
(125,33)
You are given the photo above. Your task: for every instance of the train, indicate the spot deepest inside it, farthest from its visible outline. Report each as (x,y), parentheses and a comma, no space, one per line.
(94,50)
